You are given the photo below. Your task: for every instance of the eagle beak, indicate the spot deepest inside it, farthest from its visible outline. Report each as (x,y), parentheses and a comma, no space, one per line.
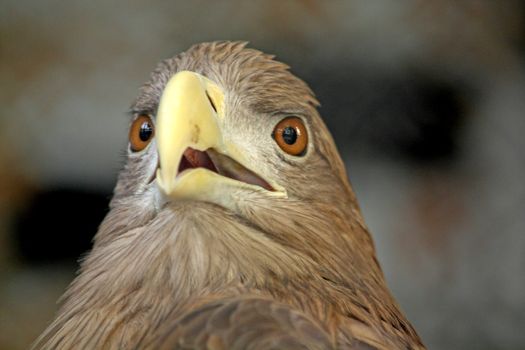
(196,161)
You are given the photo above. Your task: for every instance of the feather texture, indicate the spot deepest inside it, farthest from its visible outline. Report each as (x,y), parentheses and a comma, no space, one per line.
(296,273)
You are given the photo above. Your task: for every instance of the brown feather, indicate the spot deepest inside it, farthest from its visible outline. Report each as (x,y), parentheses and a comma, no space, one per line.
(296,272)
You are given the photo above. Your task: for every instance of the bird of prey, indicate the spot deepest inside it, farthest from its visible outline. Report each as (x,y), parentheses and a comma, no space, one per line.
(232,225)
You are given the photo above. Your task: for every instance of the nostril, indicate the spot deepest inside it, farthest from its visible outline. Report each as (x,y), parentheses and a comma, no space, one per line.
(211,102)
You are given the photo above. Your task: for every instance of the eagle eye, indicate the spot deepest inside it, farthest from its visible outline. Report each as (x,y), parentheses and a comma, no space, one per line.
(291,136)
(141,133)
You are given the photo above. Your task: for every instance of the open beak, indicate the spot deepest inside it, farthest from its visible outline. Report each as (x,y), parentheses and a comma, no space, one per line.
(196,162)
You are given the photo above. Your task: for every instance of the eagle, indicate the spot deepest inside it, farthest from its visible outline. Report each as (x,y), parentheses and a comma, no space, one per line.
(232,224)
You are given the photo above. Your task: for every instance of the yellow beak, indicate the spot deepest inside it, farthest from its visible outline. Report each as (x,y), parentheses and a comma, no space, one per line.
(191,114)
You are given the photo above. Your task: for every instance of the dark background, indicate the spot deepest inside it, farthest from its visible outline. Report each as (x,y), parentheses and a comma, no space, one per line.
(426,101)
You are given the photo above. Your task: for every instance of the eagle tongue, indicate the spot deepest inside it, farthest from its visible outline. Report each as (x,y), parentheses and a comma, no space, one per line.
(193,158)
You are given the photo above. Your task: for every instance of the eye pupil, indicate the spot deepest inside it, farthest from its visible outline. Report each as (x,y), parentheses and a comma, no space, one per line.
(146,130)
(141,132)
(289,135)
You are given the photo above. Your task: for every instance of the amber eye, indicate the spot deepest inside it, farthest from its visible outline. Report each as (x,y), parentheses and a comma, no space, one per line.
(290,134)
(141,133)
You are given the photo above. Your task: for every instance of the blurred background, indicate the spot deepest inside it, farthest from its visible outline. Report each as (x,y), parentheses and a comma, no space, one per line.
(426,101)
